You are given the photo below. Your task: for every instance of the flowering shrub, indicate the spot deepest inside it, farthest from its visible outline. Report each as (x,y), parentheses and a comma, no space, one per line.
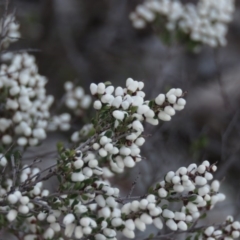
(204,23)
(85,205)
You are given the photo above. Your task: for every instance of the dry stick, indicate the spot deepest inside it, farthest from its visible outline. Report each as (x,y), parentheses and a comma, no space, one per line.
(21,50)
(224,94)
(133,186)
(227,132)
(14,171)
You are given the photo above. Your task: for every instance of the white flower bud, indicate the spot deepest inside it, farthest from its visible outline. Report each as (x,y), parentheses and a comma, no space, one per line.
(68,219)
(3,160)
(102,152)
(116,222)
(140,225)
(146,218)
(22,141)
(168,214)
(169,110)
(97,105)
(208,176)
(209,231)
(119,91)
(201,169)
(100,201)
(118,115)
(171,224)
(182,226)
(176,180)
(152,121)
(130,224)
(125,151)
(93,88)
(129,162)
(140,141)
(128,233)
(159,100)
(117,101)
(200,180)
(133,86)
(143,109)
(78,232)
(164,116)
(69,230)
(162,193)
(172,99)
(11,215)
(77,177)
(181,102)
(149,114)
(100,236)
(24,200)
(85,221)
(96,146)
(48,234)
(158,223)
(215,185)
(78,163)
(101,88)
(23,209)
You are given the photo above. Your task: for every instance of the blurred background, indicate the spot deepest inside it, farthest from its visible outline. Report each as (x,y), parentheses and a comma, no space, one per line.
(93,41)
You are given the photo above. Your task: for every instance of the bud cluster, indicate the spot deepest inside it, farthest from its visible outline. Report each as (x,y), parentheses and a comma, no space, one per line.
(123,111)
(206,22)
(9,30)
(25,105)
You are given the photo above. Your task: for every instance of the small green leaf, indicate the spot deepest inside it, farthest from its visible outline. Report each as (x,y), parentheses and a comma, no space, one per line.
(203,216)
(108,134)
(192,198)
(151,236)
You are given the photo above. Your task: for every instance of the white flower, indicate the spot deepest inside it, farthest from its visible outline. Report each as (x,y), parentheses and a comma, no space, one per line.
(101,88)
(159,100)
(23,209)
(182,226)
(215,185)
(119,91)
(162,192)
(119,115)
(69,229)
(68,219)
(209,231)
(146,218)
(129,162)
(158,223)
(168,213)
(48,234)
(11,215)
(171,224)
(77,177)
(3,161)
(128,233)
(93,88)
(140,225)
(164,116)
(169,110)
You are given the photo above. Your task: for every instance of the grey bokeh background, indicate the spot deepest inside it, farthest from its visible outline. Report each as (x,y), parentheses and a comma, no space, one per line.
(93,41)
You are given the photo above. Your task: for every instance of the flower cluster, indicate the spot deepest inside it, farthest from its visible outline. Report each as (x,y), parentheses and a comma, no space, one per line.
(26,103)
(187,185)
(205,22)
(25,106)
(9,30)
(228,230)
(61,122)
(123,110)
(86,204)
(76,99)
